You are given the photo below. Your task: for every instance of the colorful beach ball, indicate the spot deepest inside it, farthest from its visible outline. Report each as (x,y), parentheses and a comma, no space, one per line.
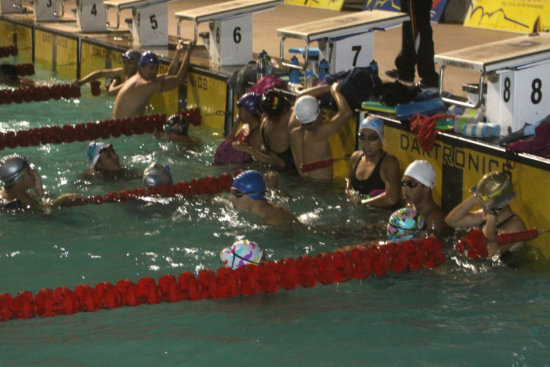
(242,252)
(404,224)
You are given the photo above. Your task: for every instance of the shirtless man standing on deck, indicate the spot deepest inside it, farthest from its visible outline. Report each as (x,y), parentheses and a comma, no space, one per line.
(135,94)
(309,132)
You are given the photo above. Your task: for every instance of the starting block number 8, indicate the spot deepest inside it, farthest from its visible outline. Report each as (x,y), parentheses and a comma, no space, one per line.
(519,96)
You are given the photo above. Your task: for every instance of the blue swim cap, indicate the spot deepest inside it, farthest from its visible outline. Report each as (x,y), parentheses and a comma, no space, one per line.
(94,150)
(148,58)
(251,183)
(373,123)
(251,103)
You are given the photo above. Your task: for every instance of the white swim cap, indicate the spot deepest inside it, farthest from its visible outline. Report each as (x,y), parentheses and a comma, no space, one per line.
(373,123)
(307,109)
(157,175)
(242,252)
(421,171)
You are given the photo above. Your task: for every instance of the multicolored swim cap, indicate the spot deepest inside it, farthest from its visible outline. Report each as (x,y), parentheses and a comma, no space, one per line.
(307,109)
(251,103)
(94,150)
(250,183)
(497,185)
(242,252)
(157,175)
(422,171)
(373,123)
(273,102)
(12,168)
(132,55)
(148,58)
(404,224)
(177,124)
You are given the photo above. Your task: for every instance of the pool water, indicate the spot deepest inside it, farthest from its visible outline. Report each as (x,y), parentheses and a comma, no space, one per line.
(463,313)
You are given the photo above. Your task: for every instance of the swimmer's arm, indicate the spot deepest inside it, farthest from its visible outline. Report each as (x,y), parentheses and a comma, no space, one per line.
(114,88)
(257,155)
(461,216)
(316,91)
(173,68)
(341,118)
(105,73)
(233,132)
(68,200)
(514,225)
(390,175)
(169,82)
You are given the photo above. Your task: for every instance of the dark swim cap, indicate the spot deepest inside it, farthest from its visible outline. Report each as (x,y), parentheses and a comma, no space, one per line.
(250,183)
(273,102)
(148,58)
(177,124)
(157,175)
(12,168)
(251,103)
(132,55)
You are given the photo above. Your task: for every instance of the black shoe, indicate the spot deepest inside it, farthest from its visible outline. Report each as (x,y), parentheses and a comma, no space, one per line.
(429,83)
(395,74)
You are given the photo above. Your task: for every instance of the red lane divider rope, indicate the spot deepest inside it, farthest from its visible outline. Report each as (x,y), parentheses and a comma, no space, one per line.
(91,130)
(24,69)
(267,277)
(39,93)
(197,186)
(6,51)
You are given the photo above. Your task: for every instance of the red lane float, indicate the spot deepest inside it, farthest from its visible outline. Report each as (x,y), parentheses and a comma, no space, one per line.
(267,277)
(24,69)
(38,93)
(6,51)
(91,130)
(475,242)
(197,186)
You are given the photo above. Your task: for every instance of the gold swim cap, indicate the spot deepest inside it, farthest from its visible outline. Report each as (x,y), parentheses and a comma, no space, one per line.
(495,185)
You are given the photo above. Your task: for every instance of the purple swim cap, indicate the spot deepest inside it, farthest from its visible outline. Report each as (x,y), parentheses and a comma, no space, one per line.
(251,103)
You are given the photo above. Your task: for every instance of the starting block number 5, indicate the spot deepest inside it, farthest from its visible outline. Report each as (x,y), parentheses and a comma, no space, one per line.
(150,25)
(519,96)
(349,52)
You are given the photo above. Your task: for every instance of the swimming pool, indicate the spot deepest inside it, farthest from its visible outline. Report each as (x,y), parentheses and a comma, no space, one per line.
(461,314)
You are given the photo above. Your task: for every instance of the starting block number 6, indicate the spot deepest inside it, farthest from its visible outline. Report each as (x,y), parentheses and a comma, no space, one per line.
(231,41)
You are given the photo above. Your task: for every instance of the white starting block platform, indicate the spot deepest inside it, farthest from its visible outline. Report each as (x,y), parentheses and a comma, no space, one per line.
(149,20)
(48,10)
(230,25)
(91,16)
(344,41)
(518,78)
(11,6)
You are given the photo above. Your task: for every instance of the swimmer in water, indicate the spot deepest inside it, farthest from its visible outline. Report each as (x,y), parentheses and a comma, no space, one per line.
(310,130)
(157,175)
(23,188)
(117,76)
(248,194)
(105,163)
(175,130)
(418,182)
(136,92)
(493,194)
(374,174)
(242,252)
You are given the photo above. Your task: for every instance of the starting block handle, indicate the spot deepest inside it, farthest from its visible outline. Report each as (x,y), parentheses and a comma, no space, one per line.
(62,9)
(195,31)
(109,26)
(16,5)
(289,65)
(456,101)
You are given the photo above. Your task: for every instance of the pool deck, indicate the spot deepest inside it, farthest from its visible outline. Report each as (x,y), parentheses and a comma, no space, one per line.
(447,37)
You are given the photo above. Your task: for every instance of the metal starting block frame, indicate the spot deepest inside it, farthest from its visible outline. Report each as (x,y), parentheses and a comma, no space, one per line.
(230,25)
(518,78)
(149,20)
(91,16)
(48,10)
(344,41)
(11,6)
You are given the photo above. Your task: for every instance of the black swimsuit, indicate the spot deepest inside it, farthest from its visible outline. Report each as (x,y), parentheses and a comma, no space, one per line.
(285,156)
(10,205)
(373,182)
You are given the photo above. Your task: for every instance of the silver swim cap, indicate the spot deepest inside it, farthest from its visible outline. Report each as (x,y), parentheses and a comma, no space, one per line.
(12,168)
(157,175)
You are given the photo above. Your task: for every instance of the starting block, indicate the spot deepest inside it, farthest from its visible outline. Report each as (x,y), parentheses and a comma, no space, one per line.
(48,10)
(91,16)
(11,6)
(149,20)
(230,25)
(344,41)
(518,78)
